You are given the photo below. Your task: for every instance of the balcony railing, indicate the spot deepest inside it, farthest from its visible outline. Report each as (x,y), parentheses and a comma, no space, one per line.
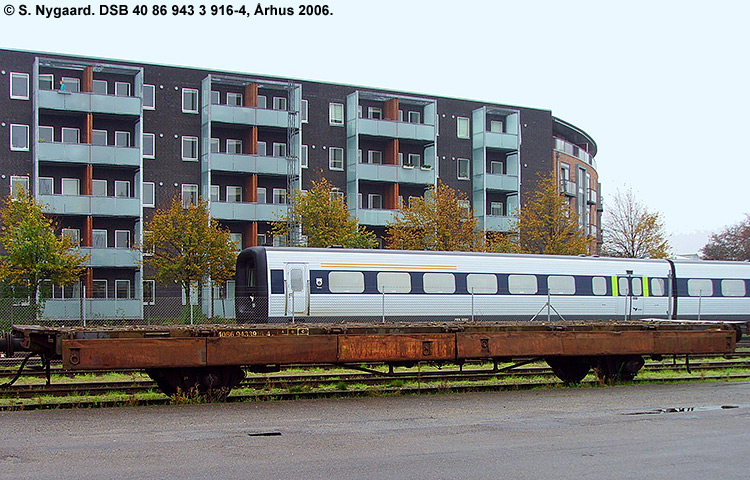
(497,223)
(89,154)
(92,205)
(228,162)
(503,183)
(89,102)
(396,174)
(111,257)
(263,212)
(574,151)
(592,197)
(395,129)
(376,216)
(250,116)
(568,187)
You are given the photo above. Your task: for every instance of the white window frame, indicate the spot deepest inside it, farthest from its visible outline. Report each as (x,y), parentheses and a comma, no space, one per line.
(375,113)
(152,152)
(375,156)
(461,124)
(119,136)
(336,114)
(278,194)
(304,111)
(415,117)
(18,75)
(152,299)
(236,239)
(46,181)
(234,99)
(260,194)
(188,140)
(100,282)
(72,84)
(494,124)
(118,89)
(373,199)
(70,181)
(215,97)
(103,133)
(73,233)
(149,200)
(303,157)
(190,189)
(17,181)
(118,237)
(99,182)
(415,159)
(19,147)
(149,99)
(280,103)
(279,149)
(493,206)
(213,193)
(190,92)
(215,145)
(118,186)
(331,159)
(501,167)
(459,162)
(100,83)
(119,282)
(101,234)
(46,80)
(262,102)
(65,130)
(50,130)
(234,146)
(236,195)
(262,149)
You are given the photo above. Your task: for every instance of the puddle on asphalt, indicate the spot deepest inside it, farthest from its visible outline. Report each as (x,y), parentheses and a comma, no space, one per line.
(683,410)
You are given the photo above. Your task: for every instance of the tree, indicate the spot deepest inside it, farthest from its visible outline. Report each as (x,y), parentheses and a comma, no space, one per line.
(325,219)
(631,231)
(34,253)
(548,225)
(732,243)
(437,221)
(187,246)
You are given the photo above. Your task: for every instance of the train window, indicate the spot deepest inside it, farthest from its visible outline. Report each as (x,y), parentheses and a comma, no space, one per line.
(522,284)
(733,288)
(700,287)
(637,286)
(481,283)
(623,285)
(346,282)
(394,282)
(439,283)
(296,280)
(599,286)
(561,285)
(657,287)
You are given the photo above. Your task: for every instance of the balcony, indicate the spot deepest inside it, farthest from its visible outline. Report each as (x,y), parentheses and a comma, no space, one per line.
(90,205)
(568,187)
(250,116)
(93,308)
(574,151)
(396,174)
(393,129)
(503,141)
(89,102)
(592,230)
(496,223)
(503,183)
(81,153)
(237,163)
(111,257)
(377,217)
(247,211)
(592,197)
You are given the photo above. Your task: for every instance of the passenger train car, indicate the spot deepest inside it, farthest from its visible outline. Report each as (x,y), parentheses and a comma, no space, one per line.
(278,284)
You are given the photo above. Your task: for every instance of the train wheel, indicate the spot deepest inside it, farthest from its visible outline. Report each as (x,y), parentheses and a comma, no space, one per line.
(211,383)
(569,369)
(618,368)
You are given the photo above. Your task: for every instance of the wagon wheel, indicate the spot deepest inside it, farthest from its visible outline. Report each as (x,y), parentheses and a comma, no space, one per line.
(212,383)
(569,369)
(618,368)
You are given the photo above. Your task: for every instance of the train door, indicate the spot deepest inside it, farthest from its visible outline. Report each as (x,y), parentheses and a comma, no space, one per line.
(629,289)
(297,289)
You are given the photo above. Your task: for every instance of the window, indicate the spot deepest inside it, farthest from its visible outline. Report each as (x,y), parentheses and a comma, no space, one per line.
(336,113)
(261,239)
(464,204)
(71,84)
(733,288)
(700,287)
(149,97)
(71,135)
(70,186)
(416,159)
(463,168)
(657,287)
(18,183)
(122,188)
(122,139)
(304,112)
(346,282)
(401,160)
(99,188)
(46,186)
(99,289)
(234,99)
(375,200)
(189,194)
(98,137)
(148,194)
(496,209)
(149,145)
(189,100)
(261,194)
(359,156)
(149,292)
(122,288)
(599,285)
(561,285)
(262,149)
(233,146)
(637,286)
(122,89)
(303,159)
(496,168)
(279,149)
(462,127)
(375,156)
(279,103)
(190,148)
(481,283)
(99,87)
(46,81)
(236,239)
(214,193)
(19,86)
(262,101)
(375,113)
(279,195)
(336,158)
(415,117)
(394,282)
(623,286)
(122,238)
(234,194)
(215,145)
(215,97)
(19,137)
(337,194)
(99,238)
(439,283)
(522,284)
(73,234)
(46,134)
(400,115)
(496,126)
(148,246)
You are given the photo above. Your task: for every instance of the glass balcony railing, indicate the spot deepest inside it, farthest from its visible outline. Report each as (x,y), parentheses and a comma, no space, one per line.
(574,151)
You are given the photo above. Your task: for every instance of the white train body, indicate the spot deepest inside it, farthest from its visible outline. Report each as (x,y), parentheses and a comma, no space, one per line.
(275,284)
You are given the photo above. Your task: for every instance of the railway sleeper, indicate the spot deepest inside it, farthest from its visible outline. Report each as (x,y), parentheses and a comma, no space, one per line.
(211,383)
(608,368)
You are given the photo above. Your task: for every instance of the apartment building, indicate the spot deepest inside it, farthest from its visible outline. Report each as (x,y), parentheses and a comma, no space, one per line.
(104,142)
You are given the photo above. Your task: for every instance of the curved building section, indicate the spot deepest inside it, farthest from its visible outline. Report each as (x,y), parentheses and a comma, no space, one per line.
(575,165)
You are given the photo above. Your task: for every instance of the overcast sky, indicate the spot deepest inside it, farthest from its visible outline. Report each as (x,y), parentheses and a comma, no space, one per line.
(662,86)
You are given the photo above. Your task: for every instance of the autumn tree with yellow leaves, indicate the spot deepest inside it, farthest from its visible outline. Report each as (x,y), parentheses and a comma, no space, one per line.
(630,230)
